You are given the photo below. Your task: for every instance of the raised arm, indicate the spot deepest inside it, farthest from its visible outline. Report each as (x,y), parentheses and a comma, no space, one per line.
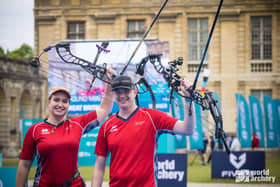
(98,172)
(187,126)
(107,101)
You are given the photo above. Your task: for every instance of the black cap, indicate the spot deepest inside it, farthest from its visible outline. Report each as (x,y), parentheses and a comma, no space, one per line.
(122,81)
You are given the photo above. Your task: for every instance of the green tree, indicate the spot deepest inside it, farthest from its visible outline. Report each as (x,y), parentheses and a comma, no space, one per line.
(24,52)
(2,52)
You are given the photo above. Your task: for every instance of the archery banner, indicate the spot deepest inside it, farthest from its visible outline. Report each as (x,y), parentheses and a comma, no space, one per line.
(271,122)
(78,80)
(243,121)
(172,170)
(277,105)
(231,165)
(8,176)
(257,119)
(196,139)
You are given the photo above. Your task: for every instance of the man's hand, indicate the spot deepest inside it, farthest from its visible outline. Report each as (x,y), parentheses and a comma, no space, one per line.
(185,86)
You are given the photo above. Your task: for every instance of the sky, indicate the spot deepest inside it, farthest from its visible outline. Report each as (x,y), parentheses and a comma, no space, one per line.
(16,23)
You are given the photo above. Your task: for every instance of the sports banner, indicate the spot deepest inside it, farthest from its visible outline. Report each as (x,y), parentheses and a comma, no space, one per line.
(249,163)
(270,122)
(196,139)
(243,121)
(78,81)
(8,176)
(257,119)
(177,110)
(172,170)
(277,105)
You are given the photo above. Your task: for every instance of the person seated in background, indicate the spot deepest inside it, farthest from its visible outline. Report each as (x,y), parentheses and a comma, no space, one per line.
(235,145)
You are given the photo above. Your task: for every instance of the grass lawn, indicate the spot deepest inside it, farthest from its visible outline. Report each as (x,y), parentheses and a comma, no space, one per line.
(196,172)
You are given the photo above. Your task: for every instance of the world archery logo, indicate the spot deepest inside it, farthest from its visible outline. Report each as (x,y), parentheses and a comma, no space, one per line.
(237,162)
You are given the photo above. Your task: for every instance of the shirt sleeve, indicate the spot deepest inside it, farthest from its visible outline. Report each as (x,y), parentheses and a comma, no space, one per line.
(101,147)
(29,145)
(89,119)
(161,120)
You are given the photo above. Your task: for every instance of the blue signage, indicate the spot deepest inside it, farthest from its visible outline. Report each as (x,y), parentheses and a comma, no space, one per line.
(8,176)
(271,122)
(172,170)
(257,118)
(230,165)
(243,121)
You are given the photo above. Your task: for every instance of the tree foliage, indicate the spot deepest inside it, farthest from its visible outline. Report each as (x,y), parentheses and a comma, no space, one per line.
(23,52)
(2,52)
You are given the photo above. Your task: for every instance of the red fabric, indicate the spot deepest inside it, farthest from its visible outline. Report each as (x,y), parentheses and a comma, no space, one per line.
(57,147)
(132,143)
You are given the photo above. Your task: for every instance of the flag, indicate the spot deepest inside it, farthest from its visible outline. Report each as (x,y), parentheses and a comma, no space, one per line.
(257,118)
(277,105)
(243,121)
(270,122)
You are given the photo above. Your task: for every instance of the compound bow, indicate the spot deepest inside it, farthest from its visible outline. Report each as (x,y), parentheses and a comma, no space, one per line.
(207,102)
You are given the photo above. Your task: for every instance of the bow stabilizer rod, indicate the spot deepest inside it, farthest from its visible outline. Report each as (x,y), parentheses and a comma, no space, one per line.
(207,44)
(144,36)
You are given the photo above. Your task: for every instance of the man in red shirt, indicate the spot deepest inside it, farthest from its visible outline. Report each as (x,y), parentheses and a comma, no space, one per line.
(131,137)
(255,141)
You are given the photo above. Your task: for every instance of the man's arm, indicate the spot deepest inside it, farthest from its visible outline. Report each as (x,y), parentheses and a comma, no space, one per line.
(187,126)
(98,172)
(22,172)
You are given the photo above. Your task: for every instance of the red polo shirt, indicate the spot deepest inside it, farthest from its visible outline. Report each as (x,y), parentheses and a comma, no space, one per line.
(132,143)
(57,148)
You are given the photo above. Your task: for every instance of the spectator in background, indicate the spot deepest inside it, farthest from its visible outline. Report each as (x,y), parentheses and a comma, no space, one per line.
(203,151)
(255,141)
(235,145)
(212,147)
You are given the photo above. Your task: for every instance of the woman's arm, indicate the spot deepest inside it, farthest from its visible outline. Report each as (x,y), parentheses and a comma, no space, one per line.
(107,101)
(106,104)
(22,172)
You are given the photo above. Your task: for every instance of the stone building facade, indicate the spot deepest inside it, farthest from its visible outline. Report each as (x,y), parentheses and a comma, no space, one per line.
(20,97)
(243,55)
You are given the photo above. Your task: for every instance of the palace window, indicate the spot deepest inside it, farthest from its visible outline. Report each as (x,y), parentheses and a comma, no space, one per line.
(261,44)
(197,37)
(76,30)
(258,93)
(136,28)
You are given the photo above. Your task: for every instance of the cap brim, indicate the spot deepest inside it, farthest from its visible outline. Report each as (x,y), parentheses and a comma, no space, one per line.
(56,90)
(125,87)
